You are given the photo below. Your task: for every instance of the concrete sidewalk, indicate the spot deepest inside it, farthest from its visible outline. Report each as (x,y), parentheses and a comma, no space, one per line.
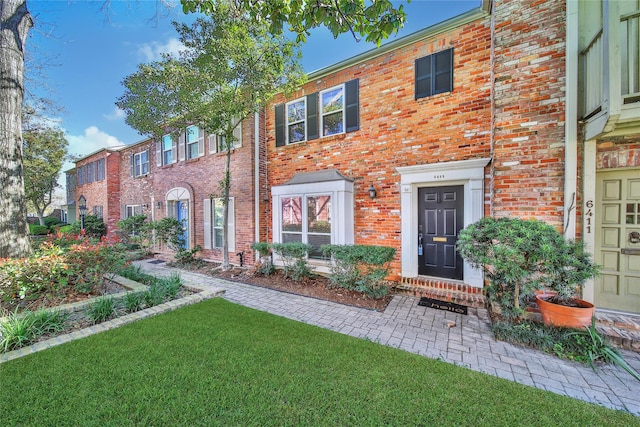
(454,338)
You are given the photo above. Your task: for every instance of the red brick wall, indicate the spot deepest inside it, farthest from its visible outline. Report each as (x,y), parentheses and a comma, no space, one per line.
(201,176)
(395,129)
(618,152)
(528,151)
(105,193)
(137,190)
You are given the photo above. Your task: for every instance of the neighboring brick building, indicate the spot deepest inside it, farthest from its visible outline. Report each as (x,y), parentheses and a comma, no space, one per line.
(98,180)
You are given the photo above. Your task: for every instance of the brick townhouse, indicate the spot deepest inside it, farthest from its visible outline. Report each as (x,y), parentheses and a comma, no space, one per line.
(515,108)
(178,177)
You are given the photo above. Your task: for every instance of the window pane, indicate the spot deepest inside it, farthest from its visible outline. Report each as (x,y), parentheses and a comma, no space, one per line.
(333,100)
(318,214)
(316,241)
(167,142)
(296,133)
(217,238)
(218,212)
(192,134)
(292,214)
(332,124)
(290,237)
(193,150)
(295,112)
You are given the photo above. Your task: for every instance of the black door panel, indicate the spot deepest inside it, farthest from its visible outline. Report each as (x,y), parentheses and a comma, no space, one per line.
(441,218)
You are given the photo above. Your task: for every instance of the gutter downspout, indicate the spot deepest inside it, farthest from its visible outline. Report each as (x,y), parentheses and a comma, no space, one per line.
(571,121)
(256,180)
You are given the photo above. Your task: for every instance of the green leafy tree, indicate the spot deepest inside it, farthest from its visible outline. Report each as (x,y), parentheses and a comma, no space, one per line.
(375,19)
(44,152)
(231,67)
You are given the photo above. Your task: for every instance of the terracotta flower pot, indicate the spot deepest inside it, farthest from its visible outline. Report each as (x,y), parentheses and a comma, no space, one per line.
(561,315)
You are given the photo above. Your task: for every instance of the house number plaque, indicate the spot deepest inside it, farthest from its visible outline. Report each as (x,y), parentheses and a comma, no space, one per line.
(588,216)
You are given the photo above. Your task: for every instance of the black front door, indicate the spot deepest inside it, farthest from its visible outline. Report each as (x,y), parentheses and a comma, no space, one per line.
(441,217)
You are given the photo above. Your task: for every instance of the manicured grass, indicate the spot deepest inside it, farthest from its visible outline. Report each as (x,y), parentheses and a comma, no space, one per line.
(216,363)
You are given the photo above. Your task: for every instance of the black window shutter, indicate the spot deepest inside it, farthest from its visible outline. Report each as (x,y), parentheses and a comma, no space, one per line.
(423,77)
(434,74)
(280,140)
(312,116)
(443,72)
(352,105)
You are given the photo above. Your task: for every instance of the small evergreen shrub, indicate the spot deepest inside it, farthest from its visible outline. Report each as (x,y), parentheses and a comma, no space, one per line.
(294,257)
(38,230)
(360,267)
(94,227)
(265,265)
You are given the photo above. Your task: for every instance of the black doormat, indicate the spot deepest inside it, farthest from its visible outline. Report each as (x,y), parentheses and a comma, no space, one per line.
(156,261)
(443,305)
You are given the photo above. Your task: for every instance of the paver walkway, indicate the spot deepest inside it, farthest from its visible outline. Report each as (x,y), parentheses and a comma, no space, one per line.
(428,332)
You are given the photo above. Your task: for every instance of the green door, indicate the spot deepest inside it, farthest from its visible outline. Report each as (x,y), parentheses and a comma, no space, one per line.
(617,247)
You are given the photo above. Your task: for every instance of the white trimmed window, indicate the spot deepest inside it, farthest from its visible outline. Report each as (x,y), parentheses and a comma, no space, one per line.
(140,163)
(218,143)
(316,208)
(195,142)
(310,225)
(296,118)
(213,224)
(168,148)
(132,210)
(332,111)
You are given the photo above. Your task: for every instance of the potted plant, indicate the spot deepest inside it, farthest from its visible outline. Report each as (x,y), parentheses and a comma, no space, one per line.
(570,268)
(521,256)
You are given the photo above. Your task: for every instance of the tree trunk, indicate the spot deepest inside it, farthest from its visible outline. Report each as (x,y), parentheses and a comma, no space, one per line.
(225,199)
(15,22)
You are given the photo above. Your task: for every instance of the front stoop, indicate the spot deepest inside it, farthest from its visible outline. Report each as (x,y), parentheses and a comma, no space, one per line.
(622,329)
(443,290)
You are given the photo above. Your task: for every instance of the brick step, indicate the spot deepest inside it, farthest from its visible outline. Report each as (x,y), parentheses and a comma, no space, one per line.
(455,292)
(621,337)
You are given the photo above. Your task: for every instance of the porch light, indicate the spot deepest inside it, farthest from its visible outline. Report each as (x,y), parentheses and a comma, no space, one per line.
(372,192)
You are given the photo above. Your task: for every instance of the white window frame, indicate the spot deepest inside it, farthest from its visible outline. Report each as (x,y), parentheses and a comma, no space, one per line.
(131,210)
(139,165)
(164,150)
(342,212)
(217,142)
(198,142)
(209,224)
(287,124)
(304,233)
(323,113)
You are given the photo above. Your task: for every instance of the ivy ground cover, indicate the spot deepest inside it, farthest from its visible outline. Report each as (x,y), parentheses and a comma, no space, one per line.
(217,363)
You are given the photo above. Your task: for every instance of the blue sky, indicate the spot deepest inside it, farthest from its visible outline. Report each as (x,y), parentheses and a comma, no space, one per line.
(87,56)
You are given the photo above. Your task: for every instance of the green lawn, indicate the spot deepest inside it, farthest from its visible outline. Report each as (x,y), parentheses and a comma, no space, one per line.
(216,363)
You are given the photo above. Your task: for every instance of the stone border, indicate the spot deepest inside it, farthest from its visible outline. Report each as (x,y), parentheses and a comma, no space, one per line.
(200,295)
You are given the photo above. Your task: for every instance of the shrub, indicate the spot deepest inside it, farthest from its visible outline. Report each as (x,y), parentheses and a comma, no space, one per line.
(90,261)
(94,227)
(24,278)
(265,265)
(38,230)
(135,230)
(188,258)
(101,309)
(294,257)
(169,231)
(51,223)
(519,256)
(360,267)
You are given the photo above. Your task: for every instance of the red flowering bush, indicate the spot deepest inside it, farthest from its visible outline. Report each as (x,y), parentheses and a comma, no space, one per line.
(82,265)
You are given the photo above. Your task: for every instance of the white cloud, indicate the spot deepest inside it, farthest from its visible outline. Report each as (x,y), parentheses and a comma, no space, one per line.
(153,51)
(117,114)
(92,140)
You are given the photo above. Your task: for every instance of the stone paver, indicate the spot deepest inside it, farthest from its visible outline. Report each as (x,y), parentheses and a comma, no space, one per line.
(428,332)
